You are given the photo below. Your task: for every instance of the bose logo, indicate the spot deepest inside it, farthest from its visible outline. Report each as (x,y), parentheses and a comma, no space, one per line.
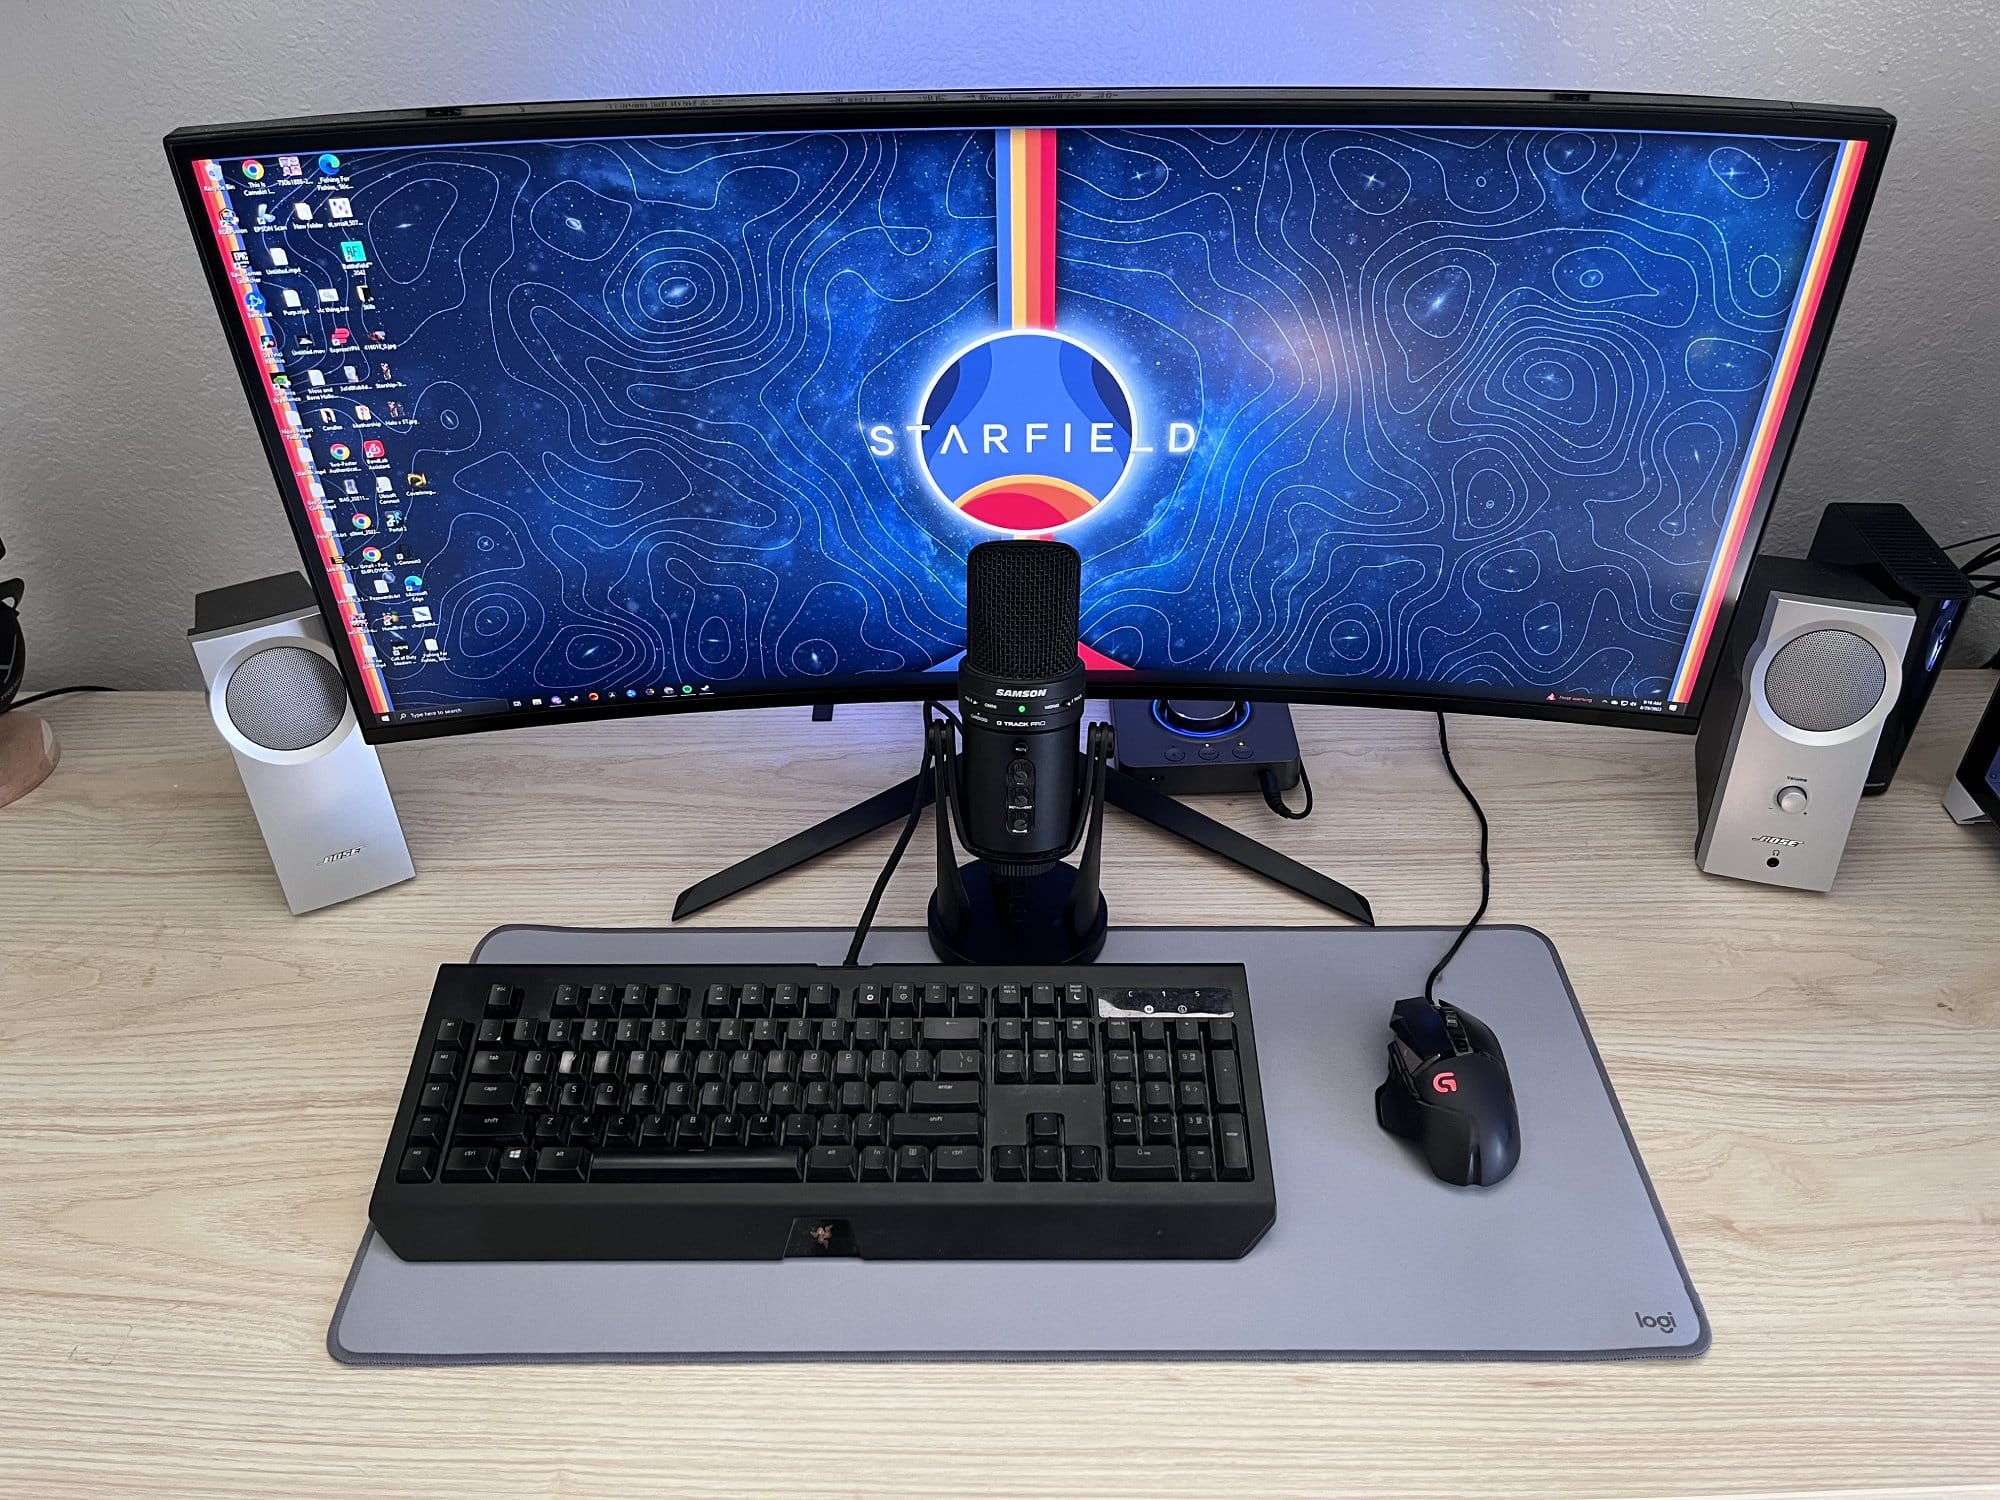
(1664,1322)
(1040,692)
(1772,838)
(340,854)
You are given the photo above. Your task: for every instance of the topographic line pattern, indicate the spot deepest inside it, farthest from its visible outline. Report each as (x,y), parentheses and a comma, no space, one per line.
(1469,404)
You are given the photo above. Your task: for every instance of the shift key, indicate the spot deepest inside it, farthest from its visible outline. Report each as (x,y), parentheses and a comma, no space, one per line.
(914,1129)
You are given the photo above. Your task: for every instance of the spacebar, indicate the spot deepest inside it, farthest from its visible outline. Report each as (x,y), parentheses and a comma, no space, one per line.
(700,1166)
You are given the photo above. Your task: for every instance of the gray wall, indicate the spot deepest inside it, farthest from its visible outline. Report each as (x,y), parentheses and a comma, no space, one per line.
(130,476)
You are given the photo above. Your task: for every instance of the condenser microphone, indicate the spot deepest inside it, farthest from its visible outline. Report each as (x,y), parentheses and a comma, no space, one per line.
(1020,695)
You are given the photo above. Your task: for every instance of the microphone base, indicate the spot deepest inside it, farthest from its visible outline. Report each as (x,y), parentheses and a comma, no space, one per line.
(1010,919)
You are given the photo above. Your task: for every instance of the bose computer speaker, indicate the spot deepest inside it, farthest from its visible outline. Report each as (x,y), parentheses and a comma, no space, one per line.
(276,694)
(1809,674)
(1885,544)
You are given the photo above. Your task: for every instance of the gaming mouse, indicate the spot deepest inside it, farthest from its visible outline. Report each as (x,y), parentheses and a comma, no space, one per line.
(1448,1091)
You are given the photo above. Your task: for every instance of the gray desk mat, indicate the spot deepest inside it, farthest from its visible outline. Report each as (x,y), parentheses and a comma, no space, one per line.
(1371,1258)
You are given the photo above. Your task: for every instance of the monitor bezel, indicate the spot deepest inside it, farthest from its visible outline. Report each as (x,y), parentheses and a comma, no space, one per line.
(471,124)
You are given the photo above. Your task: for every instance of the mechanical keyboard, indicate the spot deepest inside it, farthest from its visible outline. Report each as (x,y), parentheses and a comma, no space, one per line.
(896,1112)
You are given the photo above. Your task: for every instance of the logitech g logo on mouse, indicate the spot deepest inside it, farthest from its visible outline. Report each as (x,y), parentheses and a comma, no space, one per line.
(1445,1083)
(1664,1322)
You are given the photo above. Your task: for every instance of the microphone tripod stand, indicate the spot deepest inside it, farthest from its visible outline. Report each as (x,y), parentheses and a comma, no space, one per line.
(954,898)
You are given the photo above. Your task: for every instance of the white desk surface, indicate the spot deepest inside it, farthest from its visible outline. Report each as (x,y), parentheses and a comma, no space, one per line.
(194,1089)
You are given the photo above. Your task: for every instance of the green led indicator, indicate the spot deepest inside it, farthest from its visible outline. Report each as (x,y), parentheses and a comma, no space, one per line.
(1020,708)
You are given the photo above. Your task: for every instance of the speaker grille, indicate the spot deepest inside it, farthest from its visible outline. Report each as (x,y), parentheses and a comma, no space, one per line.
(285,698)
(1021,606)
(1824,680)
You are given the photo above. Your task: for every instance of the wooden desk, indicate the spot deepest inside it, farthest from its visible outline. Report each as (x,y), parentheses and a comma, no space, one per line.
(194,1089)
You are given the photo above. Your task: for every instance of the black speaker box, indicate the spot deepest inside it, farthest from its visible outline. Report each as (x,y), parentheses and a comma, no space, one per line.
(1885,544)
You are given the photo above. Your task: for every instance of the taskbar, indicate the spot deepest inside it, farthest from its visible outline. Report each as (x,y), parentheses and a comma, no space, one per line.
(586,698)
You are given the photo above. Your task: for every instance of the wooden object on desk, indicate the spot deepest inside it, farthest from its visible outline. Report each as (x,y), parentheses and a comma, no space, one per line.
(195,1089)
(28,753)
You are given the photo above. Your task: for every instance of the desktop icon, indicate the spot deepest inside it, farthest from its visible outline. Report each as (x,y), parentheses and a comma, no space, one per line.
(363,413)
(315,377)
(264,214)
(377,336)
(382,367)
(414,582)
(291,298)
(329,163)
(371,554)
(431,644)
(288,166)
(373,448)
(254,300)
(278,257)
(421,614)
(339,208)
(339,339)
(339,452)
(303,212)
(362,521)
(329,294)
(253,170)
(384,485)
(363,294)
(417,481)
(348,486)
(381,585)
(213,169)
(353,252)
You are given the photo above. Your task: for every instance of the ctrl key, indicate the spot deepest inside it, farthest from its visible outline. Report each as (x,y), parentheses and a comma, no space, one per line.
(419,1164)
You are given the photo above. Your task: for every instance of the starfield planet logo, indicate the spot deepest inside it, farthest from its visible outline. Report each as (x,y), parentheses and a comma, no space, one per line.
(1027,430)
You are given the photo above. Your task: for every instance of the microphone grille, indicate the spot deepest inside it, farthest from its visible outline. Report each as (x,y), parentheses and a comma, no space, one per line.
(1021,605)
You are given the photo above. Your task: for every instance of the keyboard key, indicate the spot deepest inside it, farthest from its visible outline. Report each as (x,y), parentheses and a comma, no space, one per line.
(600,1000)
(820,1001)
(1194,1128)
(1228,1082)
(517,1164)
(956,1164)
(1010,1066)
(913,1164)
(1083,1164)
(1199,1162)
(1125,1128)
(831,1163)
(469,1164)
(941,1034)
(1042,1065)
(1188,1061)
(453,1032)
(1045,1128)
(878,1164)
(956,1094)
(1145,1164)
(444,1064)
(960,1129)
(936,1001)
(704,1166)
(1078,1065)
(1042,1000)
(502,1000)
(502,1129)
(1007,1000)
(1158,1126)
(566,1001)
(1010,1164)
(435,1096)
(427,1130)
(958,1062)
(1232,1136)
(1045,1163)
(1076,1000)
(1153,1063)
(419,1164)
(495,1065)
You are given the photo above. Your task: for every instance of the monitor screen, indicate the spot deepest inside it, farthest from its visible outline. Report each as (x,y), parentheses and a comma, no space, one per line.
(1460,413)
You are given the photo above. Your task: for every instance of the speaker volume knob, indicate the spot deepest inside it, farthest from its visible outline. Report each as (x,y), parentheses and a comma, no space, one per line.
(1791,799)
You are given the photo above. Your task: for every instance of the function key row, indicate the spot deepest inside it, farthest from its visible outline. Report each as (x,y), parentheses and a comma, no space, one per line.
(784,1001)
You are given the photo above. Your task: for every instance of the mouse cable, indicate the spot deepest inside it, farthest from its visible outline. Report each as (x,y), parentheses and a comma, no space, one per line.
(924,771)
(1275,799)
(1485,866)
(55,693)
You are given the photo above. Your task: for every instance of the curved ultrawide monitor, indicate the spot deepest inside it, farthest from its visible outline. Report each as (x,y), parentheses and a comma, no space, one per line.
(1471,401)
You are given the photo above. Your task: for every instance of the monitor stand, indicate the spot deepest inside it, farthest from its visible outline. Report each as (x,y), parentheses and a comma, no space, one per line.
(1127,793)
